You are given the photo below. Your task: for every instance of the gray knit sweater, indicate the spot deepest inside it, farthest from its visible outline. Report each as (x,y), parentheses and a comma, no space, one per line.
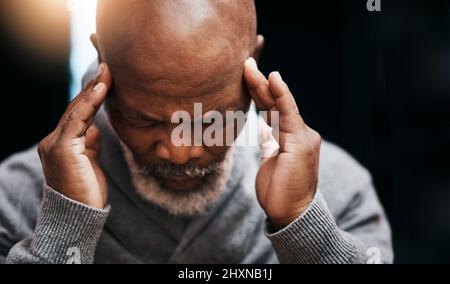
(344,224)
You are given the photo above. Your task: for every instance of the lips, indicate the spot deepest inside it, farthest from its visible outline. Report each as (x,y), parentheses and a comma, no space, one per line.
(181,183)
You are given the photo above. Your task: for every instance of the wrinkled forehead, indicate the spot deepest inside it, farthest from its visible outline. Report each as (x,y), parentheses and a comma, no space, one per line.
(179,78)
(160,100)
(177,48)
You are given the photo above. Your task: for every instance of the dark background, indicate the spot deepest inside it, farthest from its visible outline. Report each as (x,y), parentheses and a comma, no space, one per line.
(377,84)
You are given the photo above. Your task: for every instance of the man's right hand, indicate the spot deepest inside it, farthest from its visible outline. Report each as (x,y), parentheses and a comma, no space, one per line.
(69,155)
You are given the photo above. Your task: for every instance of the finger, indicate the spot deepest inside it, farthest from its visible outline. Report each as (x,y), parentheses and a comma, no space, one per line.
(93,142)
(259,47)
(75,123)
(258,85)
(290,118)
(81,111)
(93,151)
(103,76)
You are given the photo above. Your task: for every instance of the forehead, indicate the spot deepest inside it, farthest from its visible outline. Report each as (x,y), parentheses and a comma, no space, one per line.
(170,64)
(160,100)
(178,77)
(161,87)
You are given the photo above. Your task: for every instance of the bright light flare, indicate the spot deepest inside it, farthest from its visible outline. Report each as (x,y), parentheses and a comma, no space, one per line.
(40,26)
(82,52)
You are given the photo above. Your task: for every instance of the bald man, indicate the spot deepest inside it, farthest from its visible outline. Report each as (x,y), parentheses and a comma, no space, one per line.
(110,184)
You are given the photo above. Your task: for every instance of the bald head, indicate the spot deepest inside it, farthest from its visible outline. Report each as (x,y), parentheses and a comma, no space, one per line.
(168,56)
(176,46)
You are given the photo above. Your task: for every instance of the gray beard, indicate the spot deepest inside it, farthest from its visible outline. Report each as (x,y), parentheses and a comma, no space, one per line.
(180,203)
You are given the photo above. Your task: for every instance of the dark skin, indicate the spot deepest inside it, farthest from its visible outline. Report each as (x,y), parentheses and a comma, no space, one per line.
(191,52)
(182,59)
(145,127)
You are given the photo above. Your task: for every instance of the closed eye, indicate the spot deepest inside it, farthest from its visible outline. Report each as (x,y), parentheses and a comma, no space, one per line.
(140,124)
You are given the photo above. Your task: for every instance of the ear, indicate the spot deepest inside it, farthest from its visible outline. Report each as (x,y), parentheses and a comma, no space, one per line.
(259,47)
(94,42)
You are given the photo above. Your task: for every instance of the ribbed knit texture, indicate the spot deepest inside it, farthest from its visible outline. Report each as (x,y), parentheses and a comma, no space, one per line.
(314,232)
(344,222)
(65,227)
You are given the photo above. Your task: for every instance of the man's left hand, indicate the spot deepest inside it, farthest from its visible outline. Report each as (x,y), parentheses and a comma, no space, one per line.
(286,184)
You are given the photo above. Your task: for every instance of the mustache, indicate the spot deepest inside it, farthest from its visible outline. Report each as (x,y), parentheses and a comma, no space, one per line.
(179,171)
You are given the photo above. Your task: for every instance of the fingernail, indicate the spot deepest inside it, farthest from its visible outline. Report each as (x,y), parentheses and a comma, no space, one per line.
(252,63)
(98,87)
(278,76)
(100,69)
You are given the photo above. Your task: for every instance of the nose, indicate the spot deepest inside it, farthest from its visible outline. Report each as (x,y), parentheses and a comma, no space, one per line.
(178,155)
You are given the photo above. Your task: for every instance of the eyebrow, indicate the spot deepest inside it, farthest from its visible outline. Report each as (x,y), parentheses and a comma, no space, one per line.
(142,116)
(138,115)
(134,114)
